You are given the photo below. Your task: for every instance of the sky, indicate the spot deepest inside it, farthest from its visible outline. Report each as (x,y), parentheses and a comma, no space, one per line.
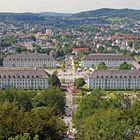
(64,6)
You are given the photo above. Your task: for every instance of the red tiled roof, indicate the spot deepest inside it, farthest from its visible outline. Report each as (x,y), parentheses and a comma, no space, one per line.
(80,49)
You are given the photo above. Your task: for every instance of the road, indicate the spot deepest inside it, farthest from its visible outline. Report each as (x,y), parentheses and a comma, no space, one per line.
(69,113)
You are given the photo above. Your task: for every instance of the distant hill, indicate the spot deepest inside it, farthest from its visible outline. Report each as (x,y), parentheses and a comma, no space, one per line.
(106,12)
(20,17)
(53,14)
(104,15)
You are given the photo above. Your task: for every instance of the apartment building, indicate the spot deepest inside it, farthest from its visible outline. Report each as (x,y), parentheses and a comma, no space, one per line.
(29,60)
(23,78)
(111,60)
(115,79)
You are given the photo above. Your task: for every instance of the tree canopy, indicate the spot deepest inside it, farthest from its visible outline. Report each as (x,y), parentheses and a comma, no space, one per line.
(79,82)
(100,116)
(102,66)
(54,80)
(125,66)
(32,115)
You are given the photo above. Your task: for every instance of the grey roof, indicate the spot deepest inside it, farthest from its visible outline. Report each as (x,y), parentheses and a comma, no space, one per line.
(23,73)
(107,56)
(30,56)
(115,74)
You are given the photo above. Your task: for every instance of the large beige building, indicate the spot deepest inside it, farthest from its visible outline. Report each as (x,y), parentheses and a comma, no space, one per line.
(29,60)
(111,60)
(115,79)
(23,78)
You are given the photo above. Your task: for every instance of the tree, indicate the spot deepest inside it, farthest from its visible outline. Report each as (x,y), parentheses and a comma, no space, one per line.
(102,116)
(54,80)
(110,124)
(54,97)
(125,66)
(26,115)
(20,49)
(101,49)
(41,121)
(21,137)
(79,82)
(102,66)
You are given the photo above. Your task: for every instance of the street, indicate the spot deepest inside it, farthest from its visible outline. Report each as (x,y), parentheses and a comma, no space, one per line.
(69,113)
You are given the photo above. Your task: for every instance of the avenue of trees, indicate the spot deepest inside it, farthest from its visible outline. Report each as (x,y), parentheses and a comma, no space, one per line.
(32,115)
(107,117)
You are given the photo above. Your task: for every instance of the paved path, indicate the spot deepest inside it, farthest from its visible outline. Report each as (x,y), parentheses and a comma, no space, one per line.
(69,113)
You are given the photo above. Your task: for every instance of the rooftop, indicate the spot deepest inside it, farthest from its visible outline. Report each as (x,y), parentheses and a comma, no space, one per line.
(22,72)
(25,56)
(115,73)
(107,56)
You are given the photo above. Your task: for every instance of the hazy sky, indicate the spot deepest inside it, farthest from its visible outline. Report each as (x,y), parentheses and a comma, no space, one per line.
(64,5)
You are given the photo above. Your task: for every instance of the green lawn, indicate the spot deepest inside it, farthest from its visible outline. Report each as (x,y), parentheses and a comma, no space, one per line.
(116,19)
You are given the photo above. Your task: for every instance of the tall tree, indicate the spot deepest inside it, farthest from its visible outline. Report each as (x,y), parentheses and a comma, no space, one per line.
(125,66)
(102,66)
(79,82)
(54,80)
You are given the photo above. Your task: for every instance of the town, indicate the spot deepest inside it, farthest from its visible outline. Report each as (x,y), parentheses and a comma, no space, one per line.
(64,69)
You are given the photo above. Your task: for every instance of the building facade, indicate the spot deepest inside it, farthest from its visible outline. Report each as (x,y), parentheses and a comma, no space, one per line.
(115,79)
(29,60)
(111,60)
(23,78)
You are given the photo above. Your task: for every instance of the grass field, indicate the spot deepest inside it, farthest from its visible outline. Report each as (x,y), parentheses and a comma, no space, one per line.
(116,19)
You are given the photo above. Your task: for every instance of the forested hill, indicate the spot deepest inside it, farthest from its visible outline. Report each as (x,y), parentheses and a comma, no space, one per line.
(20,17)
(106,12)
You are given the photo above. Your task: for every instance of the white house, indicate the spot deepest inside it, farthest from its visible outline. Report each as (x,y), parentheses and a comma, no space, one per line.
(29,60)
(23,78)
(111,60)
(115,79)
